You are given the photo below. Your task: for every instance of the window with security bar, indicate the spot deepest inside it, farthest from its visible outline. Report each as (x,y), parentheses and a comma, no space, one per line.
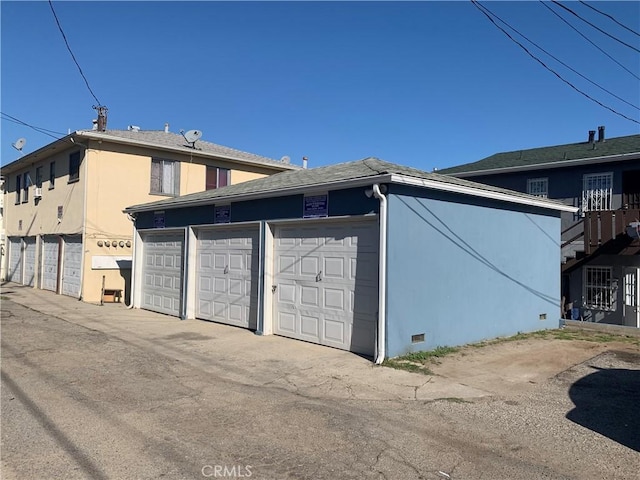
(598,288)
(596,192)
(538,187)
(630,289)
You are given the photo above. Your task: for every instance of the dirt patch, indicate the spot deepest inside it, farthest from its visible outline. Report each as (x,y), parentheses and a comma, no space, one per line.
(517,366)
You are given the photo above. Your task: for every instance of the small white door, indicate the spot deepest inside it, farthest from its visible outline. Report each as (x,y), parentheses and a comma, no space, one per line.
(29,261)
(326,284)
(632,297)
(227,273)
(71,266)
(162,272)
(15,260)
(50,257)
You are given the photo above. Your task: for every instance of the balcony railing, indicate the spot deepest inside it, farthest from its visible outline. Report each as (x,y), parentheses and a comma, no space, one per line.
(606,225)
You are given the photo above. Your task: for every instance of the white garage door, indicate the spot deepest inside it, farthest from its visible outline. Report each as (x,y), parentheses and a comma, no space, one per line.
(326,284)
(29,261)
(162,272)
(227,274)
(71,266)
(50,254)
(15,260)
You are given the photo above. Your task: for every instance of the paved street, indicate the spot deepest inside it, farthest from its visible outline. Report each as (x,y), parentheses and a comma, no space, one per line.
(110,393)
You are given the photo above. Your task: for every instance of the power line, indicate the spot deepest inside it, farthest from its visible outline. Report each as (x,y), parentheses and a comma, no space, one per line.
(596,27)
(586,38)
(72,55)
(482,8)
(37,129)
(562,63)
(609,16)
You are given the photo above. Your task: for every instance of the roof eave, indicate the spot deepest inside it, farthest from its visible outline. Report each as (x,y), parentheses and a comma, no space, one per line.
(127,141)
(479,192)
(546,165)
(31,157)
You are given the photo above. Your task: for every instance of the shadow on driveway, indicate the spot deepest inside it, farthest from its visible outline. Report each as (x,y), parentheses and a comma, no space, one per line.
(608,402)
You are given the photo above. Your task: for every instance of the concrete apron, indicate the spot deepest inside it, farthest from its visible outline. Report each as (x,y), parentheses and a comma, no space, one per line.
(239,355)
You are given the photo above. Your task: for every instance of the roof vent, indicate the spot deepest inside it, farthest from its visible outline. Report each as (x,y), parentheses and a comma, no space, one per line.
(601,133)
(166,128)
(305,161)
(285,159)
(592,136)
(133,128)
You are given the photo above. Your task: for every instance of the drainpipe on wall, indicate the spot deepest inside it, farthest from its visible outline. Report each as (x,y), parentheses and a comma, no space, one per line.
(382,278)
(133,257)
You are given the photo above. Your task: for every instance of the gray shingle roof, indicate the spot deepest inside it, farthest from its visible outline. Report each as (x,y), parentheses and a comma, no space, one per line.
(555,154)
(176,141)
(321,176)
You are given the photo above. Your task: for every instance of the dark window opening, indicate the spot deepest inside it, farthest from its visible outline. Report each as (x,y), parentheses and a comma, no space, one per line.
(74,167)
(217,177)
(52,175)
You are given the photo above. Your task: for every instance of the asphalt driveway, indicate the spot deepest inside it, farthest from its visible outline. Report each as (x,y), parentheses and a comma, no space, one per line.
(106,392)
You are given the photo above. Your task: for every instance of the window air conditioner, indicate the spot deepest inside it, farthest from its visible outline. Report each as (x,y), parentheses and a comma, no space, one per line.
(37,193)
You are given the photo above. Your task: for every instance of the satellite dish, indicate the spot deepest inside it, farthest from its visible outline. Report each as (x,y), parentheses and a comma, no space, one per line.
(192,136)
(285,159)
(19,144)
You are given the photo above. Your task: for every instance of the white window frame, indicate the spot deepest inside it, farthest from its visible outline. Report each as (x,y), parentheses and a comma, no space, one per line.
(599,288)
(630,288)
(168,181)
(538,187)
(597,189)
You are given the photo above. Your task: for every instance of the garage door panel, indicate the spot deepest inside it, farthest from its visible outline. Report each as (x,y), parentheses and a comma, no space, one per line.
(309,326)
(29,261)
(334,331)
(327,285)
(310,296)
(162,288)
(51,250)
(286,323)
(286,294)
(72,265)
(227,281)
(15,260)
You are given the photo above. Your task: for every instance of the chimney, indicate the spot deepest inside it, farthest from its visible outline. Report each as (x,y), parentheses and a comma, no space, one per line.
(592,135)
(304,162)
(166,128)
(601,133)
(102,117)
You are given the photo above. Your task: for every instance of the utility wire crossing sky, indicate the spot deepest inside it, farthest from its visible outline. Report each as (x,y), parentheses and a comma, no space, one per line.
(425,84)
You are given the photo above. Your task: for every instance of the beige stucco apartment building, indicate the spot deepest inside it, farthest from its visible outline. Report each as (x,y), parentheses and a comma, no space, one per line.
(64,225)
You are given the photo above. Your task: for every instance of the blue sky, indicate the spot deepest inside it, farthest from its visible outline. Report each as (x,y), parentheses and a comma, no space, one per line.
(423,84)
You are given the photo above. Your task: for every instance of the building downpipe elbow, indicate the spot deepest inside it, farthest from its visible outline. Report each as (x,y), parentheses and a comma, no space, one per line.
(381,338)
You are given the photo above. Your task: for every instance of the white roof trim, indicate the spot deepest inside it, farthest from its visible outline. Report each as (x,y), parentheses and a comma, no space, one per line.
(547,165)
(479,192)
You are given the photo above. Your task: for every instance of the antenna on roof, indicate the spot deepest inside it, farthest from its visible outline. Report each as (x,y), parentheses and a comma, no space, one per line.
(19,144)
(192,136)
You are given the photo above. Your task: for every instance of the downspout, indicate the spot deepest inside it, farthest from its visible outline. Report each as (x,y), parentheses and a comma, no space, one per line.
(382,278)
(133,260)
